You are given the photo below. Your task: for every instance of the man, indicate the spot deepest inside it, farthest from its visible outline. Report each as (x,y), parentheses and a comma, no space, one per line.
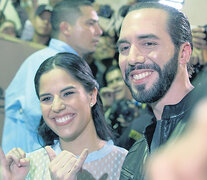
(155,46)
(39,29)
(42,25)
(75,29)
(114,80)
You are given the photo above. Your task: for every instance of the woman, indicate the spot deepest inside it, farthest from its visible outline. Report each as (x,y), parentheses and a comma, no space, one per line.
(72,121)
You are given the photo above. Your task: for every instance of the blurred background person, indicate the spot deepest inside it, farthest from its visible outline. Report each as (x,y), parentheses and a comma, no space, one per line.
(8,27)
(39,29)
(123,108)
(22,14)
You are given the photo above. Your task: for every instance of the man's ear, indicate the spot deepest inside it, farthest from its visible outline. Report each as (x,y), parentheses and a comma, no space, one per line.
(185,53)
(65,28)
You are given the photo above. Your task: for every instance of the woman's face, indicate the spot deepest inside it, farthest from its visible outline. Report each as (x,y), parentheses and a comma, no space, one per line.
(65,104)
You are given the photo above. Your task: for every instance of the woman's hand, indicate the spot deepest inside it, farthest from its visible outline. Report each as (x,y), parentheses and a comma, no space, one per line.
(15,165)
(66,165)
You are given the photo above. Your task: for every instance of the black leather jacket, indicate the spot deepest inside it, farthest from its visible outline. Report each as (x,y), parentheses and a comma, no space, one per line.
(172,124)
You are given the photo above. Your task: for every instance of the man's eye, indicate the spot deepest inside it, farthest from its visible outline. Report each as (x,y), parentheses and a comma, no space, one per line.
(90,23)
(150,44)
(123,48)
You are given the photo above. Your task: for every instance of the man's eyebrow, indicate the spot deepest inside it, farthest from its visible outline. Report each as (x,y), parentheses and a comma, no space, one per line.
(140,37)
(147,36)
(92,20)
(120,42)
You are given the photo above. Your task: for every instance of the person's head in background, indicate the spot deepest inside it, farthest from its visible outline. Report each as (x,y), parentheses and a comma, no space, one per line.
(42,25)
(105,48)
(8,27)
(155,45)
(114,80)
(69,98)
(76,23)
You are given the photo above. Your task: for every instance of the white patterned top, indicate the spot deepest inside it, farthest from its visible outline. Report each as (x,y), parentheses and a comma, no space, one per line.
(104,164)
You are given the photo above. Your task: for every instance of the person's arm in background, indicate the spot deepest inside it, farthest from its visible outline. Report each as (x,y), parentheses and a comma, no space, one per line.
(21,116)
(199,35)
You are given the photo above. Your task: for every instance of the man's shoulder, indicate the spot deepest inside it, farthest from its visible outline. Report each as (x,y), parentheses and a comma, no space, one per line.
(42,54)
(133,163)
(33,61)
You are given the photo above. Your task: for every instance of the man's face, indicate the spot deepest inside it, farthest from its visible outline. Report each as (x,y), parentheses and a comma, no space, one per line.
(42,24)
(85,33)
(115,81)
(147,56)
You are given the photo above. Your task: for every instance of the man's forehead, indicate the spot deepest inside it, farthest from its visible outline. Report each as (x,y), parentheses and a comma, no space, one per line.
(88,12)
(148,13)
(144,19)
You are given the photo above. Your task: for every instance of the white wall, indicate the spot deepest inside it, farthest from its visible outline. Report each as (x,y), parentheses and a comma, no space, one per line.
(196,11)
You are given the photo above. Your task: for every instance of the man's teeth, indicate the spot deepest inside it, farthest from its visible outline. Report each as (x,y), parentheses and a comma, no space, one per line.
(142,75)
(63,119)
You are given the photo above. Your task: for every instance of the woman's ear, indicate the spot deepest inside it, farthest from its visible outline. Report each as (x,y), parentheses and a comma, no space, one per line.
(65,28)
(185,53)
(94,96)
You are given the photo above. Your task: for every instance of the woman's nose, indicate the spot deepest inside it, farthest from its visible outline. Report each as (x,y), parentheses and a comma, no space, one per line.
(58,104)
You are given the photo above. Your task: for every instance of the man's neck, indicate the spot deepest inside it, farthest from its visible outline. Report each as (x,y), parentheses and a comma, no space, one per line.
(40,39)
(174,95)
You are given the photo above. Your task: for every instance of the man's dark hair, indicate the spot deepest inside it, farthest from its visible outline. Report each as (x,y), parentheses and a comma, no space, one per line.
(68,11)
(178,25)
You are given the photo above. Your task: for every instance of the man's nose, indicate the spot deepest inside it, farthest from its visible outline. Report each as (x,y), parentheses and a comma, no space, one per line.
(135,56)
(98,30)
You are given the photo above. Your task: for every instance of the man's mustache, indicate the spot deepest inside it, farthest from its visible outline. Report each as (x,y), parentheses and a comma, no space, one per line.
(131,68)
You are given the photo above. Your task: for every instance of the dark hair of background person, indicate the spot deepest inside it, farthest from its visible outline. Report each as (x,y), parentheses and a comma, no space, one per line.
(68,11)
(178,25)
(80,71)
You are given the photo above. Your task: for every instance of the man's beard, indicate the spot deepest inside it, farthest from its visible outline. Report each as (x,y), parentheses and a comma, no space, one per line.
(160,87)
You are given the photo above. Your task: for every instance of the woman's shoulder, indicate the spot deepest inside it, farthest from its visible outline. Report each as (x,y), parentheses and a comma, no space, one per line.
(119,152)
(116,148)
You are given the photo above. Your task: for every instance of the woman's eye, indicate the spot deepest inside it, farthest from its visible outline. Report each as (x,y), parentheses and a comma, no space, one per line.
(67,93)
(45,99)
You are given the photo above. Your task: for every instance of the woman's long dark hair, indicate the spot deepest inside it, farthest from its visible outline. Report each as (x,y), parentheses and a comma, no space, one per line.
(79,69)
